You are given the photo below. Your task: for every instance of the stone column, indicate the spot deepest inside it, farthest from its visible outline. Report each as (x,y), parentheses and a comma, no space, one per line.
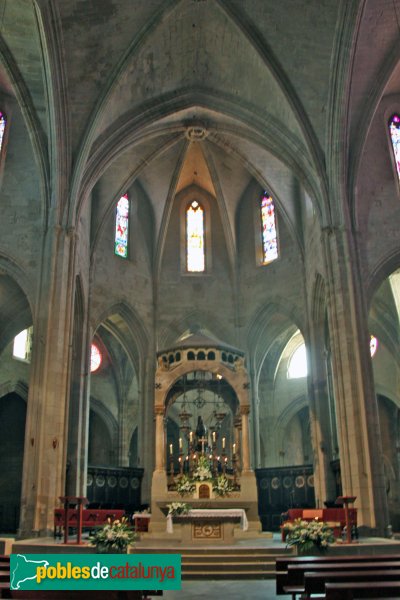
(356,405)
(46,429)
(160,450)
(244,411)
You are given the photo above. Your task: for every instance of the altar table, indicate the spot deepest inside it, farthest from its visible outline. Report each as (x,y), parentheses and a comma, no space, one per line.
(209,523)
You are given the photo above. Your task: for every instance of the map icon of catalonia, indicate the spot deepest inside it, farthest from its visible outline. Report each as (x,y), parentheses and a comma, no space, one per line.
(24,571)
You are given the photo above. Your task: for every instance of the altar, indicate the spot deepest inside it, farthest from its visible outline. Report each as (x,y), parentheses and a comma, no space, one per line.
(208,524)
(202,451)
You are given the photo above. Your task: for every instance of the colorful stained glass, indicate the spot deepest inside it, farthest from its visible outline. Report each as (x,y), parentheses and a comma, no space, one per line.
(268,230)
(373,345)
(394,129)
(2,127)
(122,227)
(195,256)
(95,358)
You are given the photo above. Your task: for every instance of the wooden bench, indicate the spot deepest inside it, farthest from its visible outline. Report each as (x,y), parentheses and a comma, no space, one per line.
(283,564)
(79,594)
(314,583)
(351,590)
(296,573)
(91,518)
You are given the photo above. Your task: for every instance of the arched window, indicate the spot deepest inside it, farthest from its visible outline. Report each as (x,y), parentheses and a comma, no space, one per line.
(394,130)
(195,254)
(373,345)
(95,358)
(298,363)
(122,227)
(22,346)
(3,122)
(268,229)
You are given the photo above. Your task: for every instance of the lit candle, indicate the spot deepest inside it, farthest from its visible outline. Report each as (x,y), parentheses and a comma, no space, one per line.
(223,443)
(234,448)
(214,437)
(180,459)
(171,449)
(191,436)
(180,443)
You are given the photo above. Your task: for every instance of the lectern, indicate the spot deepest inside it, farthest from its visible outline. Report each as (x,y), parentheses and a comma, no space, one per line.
(79,501)
(346,500)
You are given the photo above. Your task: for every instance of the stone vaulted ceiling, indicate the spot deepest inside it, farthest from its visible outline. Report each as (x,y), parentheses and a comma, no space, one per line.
(109,91)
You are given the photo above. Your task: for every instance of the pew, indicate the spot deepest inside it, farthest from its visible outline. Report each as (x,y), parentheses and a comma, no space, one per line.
(295,578)
(91,518)
(314,583)
(351,590)
(283,564)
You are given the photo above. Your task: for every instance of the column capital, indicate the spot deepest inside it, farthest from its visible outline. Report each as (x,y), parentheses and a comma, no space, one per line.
(159,411)
(244,409)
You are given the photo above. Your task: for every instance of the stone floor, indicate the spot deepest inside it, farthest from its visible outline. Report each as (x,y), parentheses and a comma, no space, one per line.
(232,590)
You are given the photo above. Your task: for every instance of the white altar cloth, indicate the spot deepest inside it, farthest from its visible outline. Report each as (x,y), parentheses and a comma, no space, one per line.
(198,513)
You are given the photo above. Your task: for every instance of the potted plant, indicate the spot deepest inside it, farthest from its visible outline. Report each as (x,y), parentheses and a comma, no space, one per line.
(185,486)
(308,536)
(113,537)
(222,486)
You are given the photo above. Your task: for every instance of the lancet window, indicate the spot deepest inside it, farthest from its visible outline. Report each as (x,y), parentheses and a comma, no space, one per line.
(269,236)
(195,251)
(122,227)
(394,130)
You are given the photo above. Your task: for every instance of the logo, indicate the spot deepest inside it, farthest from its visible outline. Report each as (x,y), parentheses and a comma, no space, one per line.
(95,572)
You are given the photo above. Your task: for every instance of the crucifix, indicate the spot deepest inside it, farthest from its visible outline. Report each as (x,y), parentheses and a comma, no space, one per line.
(203,440)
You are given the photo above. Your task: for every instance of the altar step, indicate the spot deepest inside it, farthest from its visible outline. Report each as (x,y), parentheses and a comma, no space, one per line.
(224,562)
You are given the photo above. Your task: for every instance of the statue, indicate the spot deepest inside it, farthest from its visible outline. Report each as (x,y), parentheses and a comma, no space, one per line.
(201,432)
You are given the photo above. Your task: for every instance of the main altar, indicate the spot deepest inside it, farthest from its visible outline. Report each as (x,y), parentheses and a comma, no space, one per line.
(203,487)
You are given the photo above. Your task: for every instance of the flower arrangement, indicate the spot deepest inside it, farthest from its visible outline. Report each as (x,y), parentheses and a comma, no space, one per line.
(178,508)
(114,536)
(185,485)
(222,486)
(306,535)
(203,470)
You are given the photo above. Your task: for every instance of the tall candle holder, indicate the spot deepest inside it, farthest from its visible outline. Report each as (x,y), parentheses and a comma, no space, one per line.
(171,468)
(181,463)
(234,468)
(224,462)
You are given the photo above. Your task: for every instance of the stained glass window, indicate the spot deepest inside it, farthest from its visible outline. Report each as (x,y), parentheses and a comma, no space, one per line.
(268,230)
(394,128)
(95,358)
(195,256)
(373,345)
(122,227)
(2,128)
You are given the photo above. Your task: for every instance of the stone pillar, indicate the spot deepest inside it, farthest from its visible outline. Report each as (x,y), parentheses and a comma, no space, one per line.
(356,405)
(46,429)
(244,411)
(160,449)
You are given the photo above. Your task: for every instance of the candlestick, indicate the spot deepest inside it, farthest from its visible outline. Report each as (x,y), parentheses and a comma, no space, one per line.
(214,437)
(180,443)
(171,449)
(234,448)
(191,436)
(223,443)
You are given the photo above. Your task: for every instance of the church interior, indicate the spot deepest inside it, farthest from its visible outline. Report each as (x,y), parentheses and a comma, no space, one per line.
(199,256)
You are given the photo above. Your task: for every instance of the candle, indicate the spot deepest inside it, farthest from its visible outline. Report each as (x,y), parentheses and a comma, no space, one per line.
(180,443)
(171,449)
(234,448)
(223,443)
(214,437)
(191,436)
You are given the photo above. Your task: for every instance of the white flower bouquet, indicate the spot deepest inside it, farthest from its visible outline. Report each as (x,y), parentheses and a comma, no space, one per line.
(306,535)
